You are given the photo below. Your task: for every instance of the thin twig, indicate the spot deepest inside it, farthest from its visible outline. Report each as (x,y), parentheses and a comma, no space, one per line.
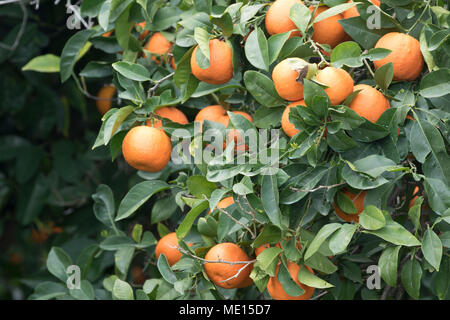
(237,273)
(318,188)
(320,295)
(238,222)
(22,27)
(158,83)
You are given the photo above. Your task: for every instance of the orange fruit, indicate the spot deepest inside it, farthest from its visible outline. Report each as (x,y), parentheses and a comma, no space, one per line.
(416,191)
(39,236)
(358,201)
(220,68)
(144,32)
(168,246)
(288,77)
(106,95)
(277,18)
(107,34)
(138,275)
(339,82)
(218,114)
(369,103)
(170,113)
(405,55)
(328,31)
(221,273)
(224,203)
(288,127)
(276,290)
(147,148)
(158,46)
(353,11)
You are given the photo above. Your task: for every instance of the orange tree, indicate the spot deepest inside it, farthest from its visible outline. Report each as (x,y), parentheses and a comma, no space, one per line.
(357,186)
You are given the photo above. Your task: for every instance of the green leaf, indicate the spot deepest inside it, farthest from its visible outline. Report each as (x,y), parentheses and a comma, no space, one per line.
(199,186)
(275,44)
(372,218)
(356,28)
(104,206)
(57,263)
(114,121)
(116,242)
(122,290)
(341,238)
(321,263)
(270,198)
(137,196)
(71,50)
(267,257)
(309,279)
(49,290)
(185,226)
(345,203)
(262,89)
(438,38)
(388,264)
(269,234)
(333,11)
(414,212)
(164,269)
(435,84)
(202,37)
(163,209)
(122,259)
(347,53)
(257,50)
(132,71)
(224,22)
(326,231)
(384,75)
(395,233)
(440,281)
(432,248)
(45,63)
(300,15)
(411,277)
(288,284)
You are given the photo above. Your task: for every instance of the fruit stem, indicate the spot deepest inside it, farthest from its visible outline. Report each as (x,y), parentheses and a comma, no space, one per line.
(317,50)
(369,68)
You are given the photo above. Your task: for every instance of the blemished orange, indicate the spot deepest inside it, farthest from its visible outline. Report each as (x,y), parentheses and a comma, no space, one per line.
(167,245)
(369,103)
(170,113)
(339,82)
(220,68)
(105,95)
(405,55)
(223,274)
(146,148)
(288,77)
(353,11)
(276,290)
(328,31)
(277,18)
(358,201)
(288,127)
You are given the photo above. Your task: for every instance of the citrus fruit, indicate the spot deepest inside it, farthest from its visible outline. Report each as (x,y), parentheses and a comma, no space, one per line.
(339,82)
(144,32)
(227,275)
(405,55)
(105,96)
(288,76)
(220,68)
(288,127)
(328,31)
(171,113)
(167,245)
(217,113)
(146,148)
(276,290)
(277,18)
(358,201)
(369,103)
(158,46)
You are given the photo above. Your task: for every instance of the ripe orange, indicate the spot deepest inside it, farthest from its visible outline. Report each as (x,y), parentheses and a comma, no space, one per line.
(405,55)
(224,274)
(276,290)
(369,103)
(105,94)
(218,114)
(358,201)
(170,113)
(277,18)
(416,191)
(107,34)
(328,31)
(158,46)
(168,246)
(288,77)
(339,82)
(353,11)
(288,127)
(220,68)
(147,148)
